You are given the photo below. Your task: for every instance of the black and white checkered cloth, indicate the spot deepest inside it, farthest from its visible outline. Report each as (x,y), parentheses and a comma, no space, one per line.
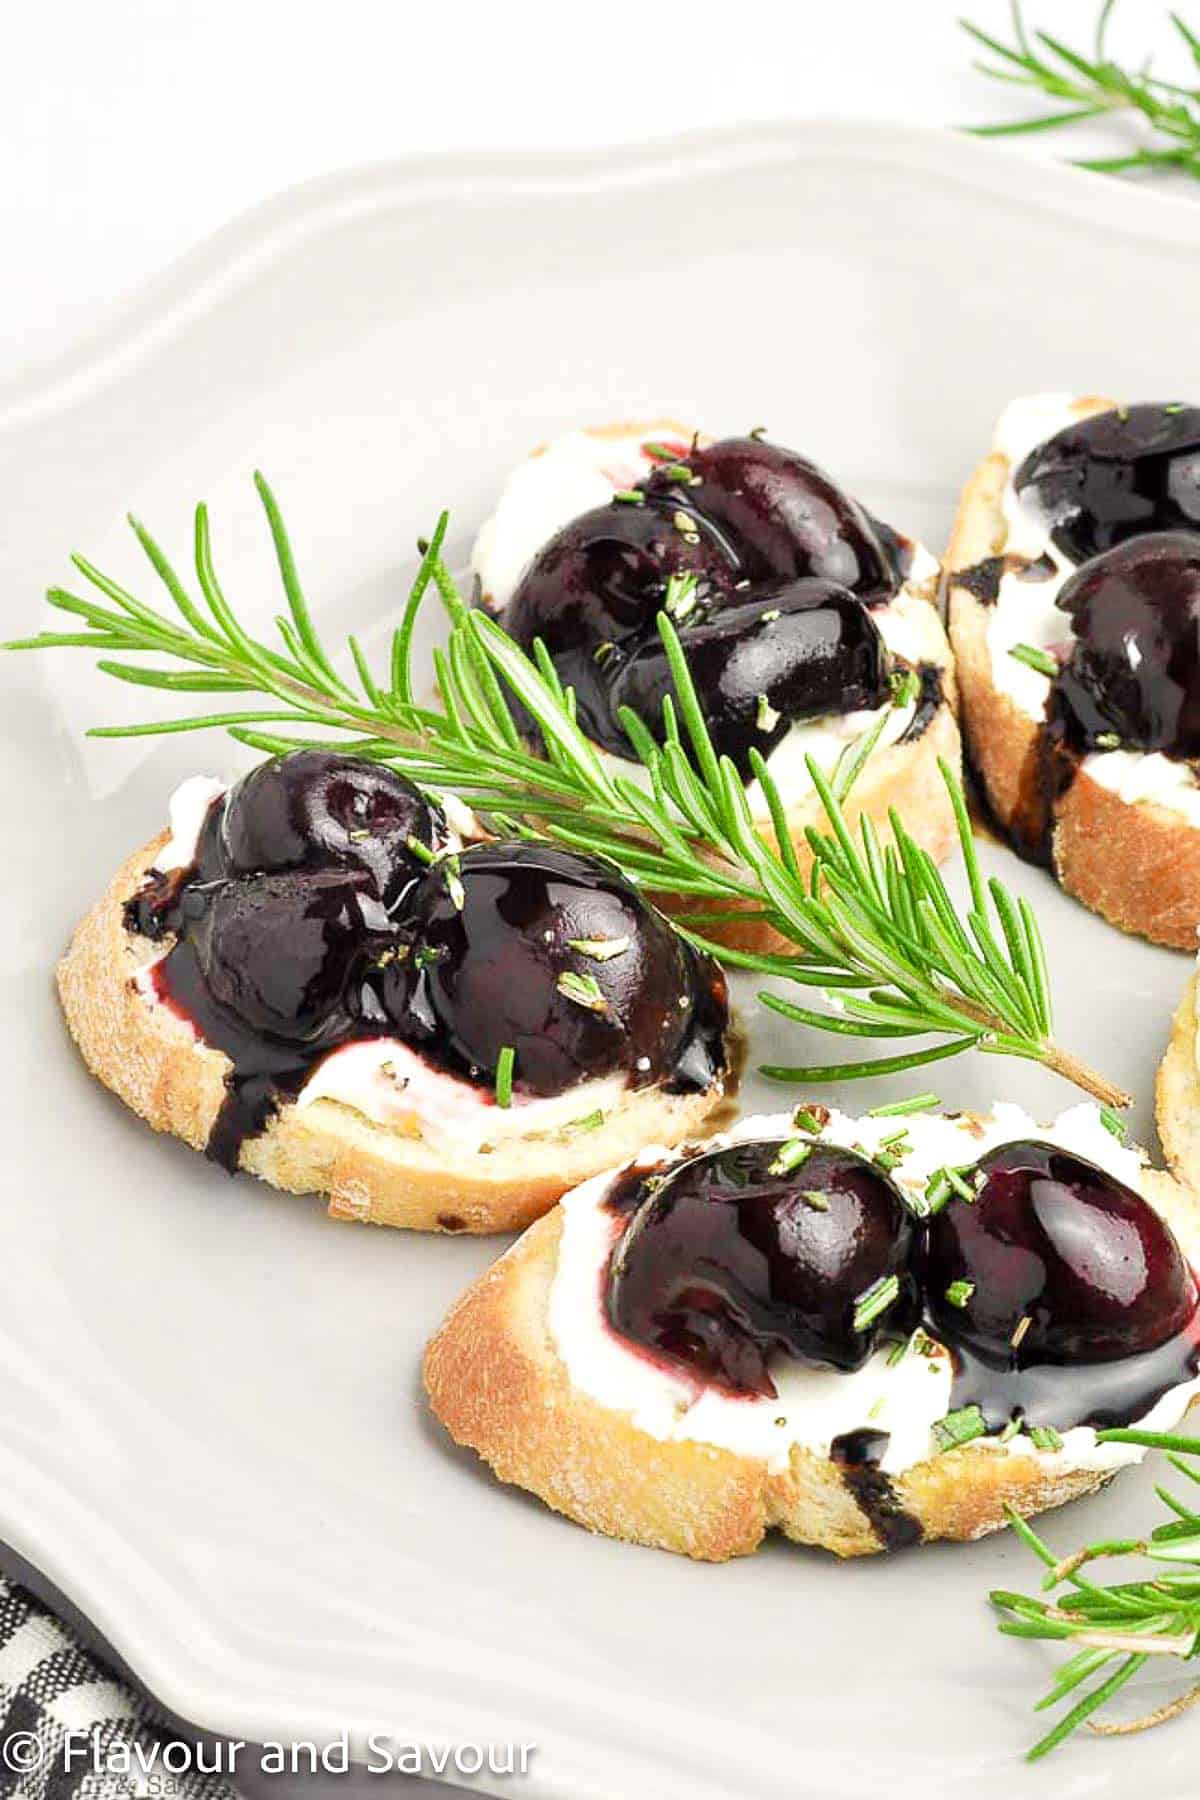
(53,1693)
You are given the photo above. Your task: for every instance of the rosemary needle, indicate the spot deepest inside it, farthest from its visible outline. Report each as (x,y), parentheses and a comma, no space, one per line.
(1087,85)
(1112,1632)
(872,924)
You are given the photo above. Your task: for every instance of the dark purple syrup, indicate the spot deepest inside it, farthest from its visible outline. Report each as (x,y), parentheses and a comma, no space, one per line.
(858,1455)
(787,566)
(346,931)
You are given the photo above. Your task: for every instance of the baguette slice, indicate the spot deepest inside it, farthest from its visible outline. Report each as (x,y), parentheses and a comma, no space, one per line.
(497,1383)
(901,775)
(154,1062)
(1178,1089)
(1135,863)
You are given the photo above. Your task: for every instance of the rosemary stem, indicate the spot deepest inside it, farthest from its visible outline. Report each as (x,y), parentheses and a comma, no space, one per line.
(1081,1075)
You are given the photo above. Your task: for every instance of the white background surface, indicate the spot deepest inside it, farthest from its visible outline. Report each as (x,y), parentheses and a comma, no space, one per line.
(132,129)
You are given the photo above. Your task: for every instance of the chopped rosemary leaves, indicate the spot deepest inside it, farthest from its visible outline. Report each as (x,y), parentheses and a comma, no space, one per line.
(804,1120)
(896,1108)
(946,1181)
(682,597)
(960,1427)
(765,717)
(1033,658)
(876,1300)
(504,1075)
(1113,1122)
(599,949)
(589,1122)
(584,990)
(454,886)
(906,687)
(790,1157)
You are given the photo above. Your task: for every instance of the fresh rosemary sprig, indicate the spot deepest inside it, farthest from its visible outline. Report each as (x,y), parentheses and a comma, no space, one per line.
(1115,1630)
(872,926)
(1093,87)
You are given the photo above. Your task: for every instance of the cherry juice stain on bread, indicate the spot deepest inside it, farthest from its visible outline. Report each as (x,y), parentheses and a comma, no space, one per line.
(329,934)
(1075,612)
(805,621)
(868,1333)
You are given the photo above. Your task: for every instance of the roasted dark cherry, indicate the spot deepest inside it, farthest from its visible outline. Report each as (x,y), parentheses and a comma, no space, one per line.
(1053,1239)
(783,517)
(316,809)
(556,956)
(1133,671)
(1115,476)
(281,952)
(799,650)
(599,585)
(726,1262)
(751,521)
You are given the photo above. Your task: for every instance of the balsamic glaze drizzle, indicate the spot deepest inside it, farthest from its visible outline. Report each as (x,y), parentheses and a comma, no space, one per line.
(858,1455)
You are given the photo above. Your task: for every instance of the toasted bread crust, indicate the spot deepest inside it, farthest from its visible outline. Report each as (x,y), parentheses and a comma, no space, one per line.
(903,776)
(498,1385)
(1177,1091)
(1137,864)
(152,1060)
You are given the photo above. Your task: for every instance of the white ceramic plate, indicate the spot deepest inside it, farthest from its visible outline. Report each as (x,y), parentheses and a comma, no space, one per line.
(211,1430)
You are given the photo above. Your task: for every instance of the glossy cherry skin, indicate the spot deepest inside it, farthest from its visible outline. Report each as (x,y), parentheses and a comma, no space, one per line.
(749,520)
(282,952)
(798,650)
(492,965)
(316,809)
(726,1263)
(784,518)
(1115,476)
(599,584)
(1134,665)
(1053,1239)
